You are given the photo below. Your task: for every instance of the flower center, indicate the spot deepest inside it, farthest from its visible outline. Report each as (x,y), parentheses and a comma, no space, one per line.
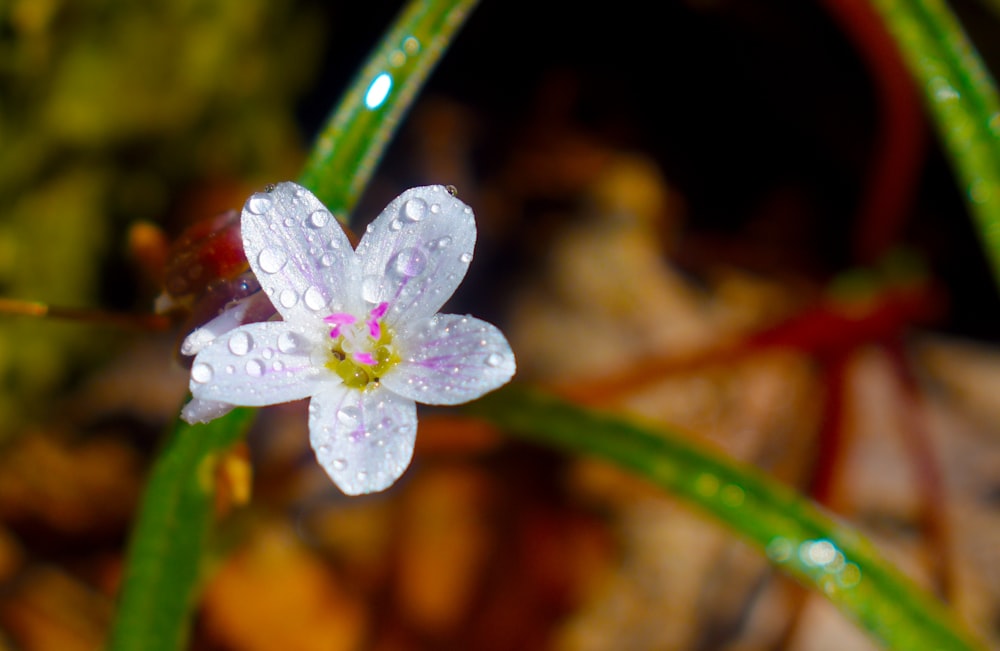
(362,351)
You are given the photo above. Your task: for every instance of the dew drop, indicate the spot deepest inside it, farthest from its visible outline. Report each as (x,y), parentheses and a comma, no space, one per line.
(327,260)
(414,210)
(466,258)
(395,225)
(339,464)
(240,343)
(314,299)
(319,218)
(324,450)
(230,369)
(494,360)
(259,203)
(371,288)
(362,475)
(288,342)
(435,208)
(443,243)
(267,353)
(201,373)
(409,262)
(271,260)
(288,298)
(289,222)
(255,368)
(348,415)
(278,366)
(452,190)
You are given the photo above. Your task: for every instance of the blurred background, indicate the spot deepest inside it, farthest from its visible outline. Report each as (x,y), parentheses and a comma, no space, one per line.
(731,218)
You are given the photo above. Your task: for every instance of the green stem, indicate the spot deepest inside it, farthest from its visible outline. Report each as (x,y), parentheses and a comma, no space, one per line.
(162,572)
(962,99)
(346,153)
(796,535)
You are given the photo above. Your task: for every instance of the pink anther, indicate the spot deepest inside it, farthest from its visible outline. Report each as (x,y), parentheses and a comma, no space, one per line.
(374,327)
(338,319)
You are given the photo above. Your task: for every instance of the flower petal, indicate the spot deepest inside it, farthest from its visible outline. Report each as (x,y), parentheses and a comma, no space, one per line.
(415,254)
(300,254)
(259,364)
(202,411)
(449,359)
(255,307)
(363,439)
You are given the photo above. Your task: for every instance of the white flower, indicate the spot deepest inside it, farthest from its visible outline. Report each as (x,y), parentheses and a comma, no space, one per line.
(360,333)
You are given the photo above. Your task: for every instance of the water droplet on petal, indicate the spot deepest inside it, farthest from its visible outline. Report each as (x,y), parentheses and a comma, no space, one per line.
(409,262)
(201,373)
(443,243)
(327,260)
(271,260)
(362,475)
(339,464)
(494,360)
(395,225)
(348,415)
(278,366)
(314,299)
(255,368)
(319,218)
(288,342)
(288,298)
(230,369)
(435,208)
(452,190)
(414,209)
(259,203)
(371,288)
(289,222)
(323,450)
(240,343)
(267,353)
(466,258)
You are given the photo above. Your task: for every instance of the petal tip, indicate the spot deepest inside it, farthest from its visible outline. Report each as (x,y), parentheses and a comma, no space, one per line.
(199,411)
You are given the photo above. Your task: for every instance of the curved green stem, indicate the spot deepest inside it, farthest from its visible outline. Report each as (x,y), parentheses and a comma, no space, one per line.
(963,101)
(344,156)
(796,535)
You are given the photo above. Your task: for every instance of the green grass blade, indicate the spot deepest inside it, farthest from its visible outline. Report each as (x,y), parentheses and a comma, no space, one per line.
(962,99)
(346,153)
(797,536)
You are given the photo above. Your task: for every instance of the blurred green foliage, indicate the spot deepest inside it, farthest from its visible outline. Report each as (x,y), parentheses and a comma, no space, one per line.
(110,111)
